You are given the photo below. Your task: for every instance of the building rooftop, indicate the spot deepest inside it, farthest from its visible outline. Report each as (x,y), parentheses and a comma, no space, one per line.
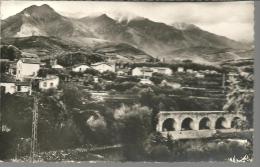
(30,61)
(100,63)
(145,69)
(80,64)
(29,55)
(5,60)
(23,83)
(49,77)
(161,67)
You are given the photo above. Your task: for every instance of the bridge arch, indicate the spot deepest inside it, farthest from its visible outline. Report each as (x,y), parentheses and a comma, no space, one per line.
(221,123)
(204,123)
(168,124)
(187,124)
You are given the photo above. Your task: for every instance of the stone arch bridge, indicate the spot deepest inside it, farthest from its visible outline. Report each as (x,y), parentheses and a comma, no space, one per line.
(196,124)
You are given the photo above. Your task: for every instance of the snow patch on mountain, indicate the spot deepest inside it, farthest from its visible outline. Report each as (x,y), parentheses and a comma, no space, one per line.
(29,30)
(184,26)
(27,15)
(126,17)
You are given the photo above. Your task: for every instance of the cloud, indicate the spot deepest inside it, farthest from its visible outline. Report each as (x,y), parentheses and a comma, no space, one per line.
(232,19)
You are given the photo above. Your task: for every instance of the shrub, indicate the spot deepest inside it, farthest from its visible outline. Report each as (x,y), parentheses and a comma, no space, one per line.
(160,153)
(108,75)
(92,72)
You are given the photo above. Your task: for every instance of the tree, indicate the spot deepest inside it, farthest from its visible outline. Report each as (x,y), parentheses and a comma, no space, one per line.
(108,75)
(73,58)
(238,100)
(160,153)
(187,61)
(43,72)
(91,72)
(127,78)
(240,124)
(72,96)
(157,78)
(134,126)
(4,67)
(9,52)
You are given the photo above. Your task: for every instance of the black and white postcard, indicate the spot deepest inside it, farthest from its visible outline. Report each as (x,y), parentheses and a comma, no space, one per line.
(120,81)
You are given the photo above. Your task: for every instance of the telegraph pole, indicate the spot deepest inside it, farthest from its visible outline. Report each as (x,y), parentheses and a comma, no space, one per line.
(34,128)
(223,82)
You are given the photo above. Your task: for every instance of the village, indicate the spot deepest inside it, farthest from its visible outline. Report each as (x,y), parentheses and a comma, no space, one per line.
(186,98)
(22,75)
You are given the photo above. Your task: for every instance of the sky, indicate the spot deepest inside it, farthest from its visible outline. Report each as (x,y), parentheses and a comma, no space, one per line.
(234,20)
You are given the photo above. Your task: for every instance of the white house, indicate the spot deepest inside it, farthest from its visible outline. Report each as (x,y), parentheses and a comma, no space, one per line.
(199,75)
(174,85)
(180,69)
(102,67)
(27,68)
(213,72)
(50,82)
(9,87)
(146,81)
(190,71)
(57,66)
(120,73)
(142,71)
(162,70)
(96,80)
(148,71)
(80,68)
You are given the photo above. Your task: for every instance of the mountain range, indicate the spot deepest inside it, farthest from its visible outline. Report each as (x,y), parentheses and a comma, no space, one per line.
(136,37)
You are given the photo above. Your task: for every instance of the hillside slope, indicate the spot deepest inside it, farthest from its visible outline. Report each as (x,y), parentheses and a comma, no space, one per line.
(49,47)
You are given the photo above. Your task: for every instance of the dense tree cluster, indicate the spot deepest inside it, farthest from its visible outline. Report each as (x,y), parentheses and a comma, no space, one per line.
(73,58)
(9,52)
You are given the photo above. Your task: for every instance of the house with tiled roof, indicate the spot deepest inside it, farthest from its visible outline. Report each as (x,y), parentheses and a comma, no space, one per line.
(142,71)
(49,82)
(80,68)
(162,70)
(148,71)
(103,66)
(27,68)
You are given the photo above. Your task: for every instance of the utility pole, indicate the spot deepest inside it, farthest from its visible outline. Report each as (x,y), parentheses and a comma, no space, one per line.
(34,129)
(223,82)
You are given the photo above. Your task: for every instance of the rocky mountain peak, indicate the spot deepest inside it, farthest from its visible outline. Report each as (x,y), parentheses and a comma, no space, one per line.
(40,11)
(104,17)
(184,26)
